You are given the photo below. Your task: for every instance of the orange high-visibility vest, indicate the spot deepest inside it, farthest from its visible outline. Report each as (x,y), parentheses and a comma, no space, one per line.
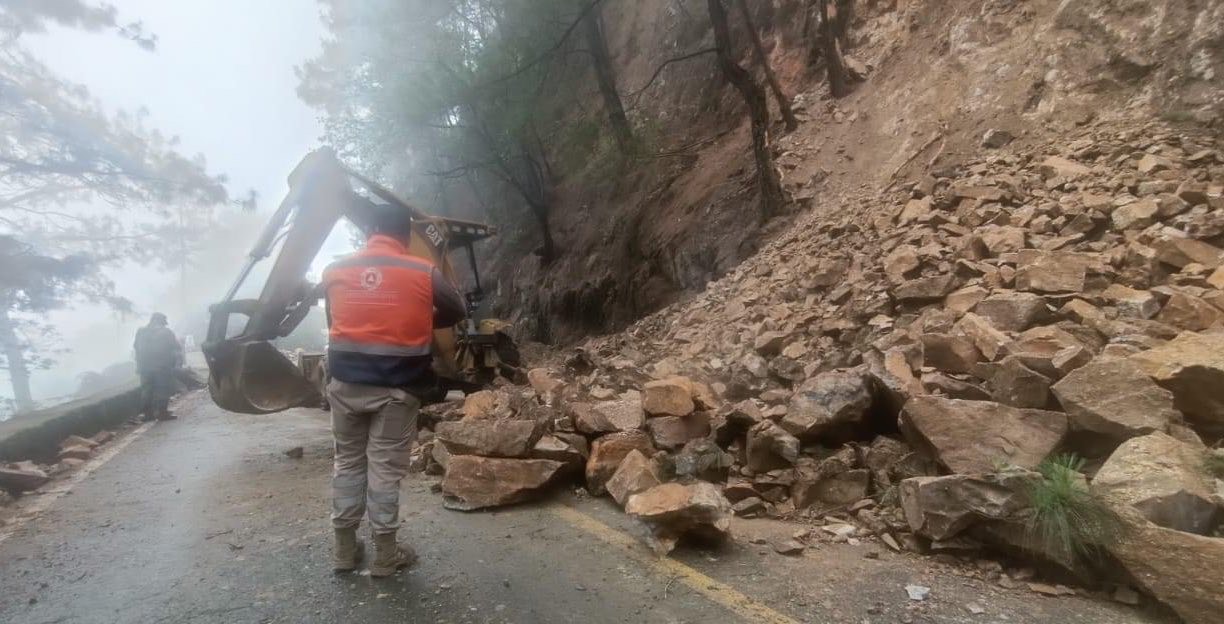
(380,300)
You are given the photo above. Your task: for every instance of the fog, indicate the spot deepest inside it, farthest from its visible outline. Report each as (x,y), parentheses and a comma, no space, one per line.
(222,80)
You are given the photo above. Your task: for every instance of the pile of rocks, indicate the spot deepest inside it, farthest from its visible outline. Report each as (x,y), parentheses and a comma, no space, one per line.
(905,367)
(25,476)
(1065,298)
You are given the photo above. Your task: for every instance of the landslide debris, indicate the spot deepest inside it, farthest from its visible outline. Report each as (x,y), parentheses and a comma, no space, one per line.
(897,367)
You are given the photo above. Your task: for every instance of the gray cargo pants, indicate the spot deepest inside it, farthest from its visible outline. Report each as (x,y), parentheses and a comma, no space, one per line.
(374,428)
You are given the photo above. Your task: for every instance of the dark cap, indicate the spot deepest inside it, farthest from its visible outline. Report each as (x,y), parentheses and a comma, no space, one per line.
(158,319)
(393,220)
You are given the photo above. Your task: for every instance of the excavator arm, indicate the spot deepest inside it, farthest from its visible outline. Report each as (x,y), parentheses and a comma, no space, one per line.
(247,373)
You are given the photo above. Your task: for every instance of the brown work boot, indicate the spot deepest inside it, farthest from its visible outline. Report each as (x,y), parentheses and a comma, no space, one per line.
(348,551)
(390,555)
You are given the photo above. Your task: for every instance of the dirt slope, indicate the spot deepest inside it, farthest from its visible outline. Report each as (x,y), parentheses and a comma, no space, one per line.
(940,74)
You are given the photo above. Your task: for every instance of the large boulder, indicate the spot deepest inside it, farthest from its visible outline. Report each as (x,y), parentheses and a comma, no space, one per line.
(1191,366)
(474,482)
(975,437)
(834,481)
(673,432)
(702,459)
(949,352)
(769,447)
(21,477)
(668,397)
(941,507)
(490,438)
(608,452)
(1115,399)
(1012,311)
(827,403)
(1017,385)
(1051,271)
(557,448)
(1164,479)
(1179,569)
(673,510)
(622,414)
(636,473)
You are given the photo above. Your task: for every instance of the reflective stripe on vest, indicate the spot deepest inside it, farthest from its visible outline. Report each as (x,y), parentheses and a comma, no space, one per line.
(381,301)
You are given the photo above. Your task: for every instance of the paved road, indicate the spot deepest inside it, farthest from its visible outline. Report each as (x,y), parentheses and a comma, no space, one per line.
(203,520)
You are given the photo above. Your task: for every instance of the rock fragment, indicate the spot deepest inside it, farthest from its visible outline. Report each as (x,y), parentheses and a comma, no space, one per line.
(974,437)
(608,452)
(674,510)
(1114,398)
(490,438)
(1164,479)
(474,482)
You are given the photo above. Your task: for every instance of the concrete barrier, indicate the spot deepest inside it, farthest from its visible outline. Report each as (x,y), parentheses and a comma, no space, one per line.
(36,435)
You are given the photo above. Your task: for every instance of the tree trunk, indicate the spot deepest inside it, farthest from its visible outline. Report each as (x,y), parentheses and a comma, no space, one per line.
(833,59)
(758,110)
(548,250)
(14,356)
(845,15)
(759,50)
(606,78)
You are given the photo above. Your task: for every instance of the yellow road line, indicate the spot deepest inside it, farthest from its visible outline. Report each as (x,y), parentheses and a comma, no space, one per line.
(720,593)
(47,497)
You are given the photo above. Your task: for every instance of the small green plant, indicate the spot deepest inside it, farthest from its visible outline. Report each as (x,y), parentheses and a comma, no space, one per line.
(1213,463)
(1068,519)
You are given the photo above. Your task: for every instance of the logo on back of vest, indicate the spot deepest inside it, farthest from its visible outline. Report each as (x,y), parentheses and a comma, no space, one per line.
(371,278)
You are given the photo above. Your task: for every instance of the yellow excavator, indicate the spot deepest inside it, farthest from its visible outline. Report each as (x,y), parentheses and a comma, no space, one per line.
(248,374)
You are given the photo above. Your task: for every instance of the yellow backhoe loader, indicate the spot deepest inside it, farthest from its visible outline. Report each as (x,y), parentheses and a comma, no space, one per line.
(248,374)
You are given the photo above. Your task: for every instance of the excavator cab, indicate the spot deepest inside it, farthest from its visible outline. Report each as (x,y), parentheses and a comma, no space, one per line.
(248,374)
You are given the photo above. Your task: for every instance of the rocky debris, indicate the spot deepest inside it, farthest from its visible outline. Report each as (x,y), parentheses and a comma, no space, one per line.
(942,507)
(702,459)
(1017,385)
(479,405)
(674,510)
(673,432)
(996,138)
(1164,479)
(473,482)
(22,477)
(102,437)
(975,437)
(543,381)
(950,353)
(668,397)
(622,414)
(770,447)
(1051,272)
(1191,366)
(76,440)
(973,306)
(561,448)
(608,452)
(1181,570)
(1115,399)
(636,473)
(80,453)
(488,438)
(826,403)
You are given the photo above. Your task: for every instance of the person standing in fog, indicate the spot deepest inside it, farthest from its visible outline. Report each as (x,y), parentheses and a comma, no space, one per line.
(158,354)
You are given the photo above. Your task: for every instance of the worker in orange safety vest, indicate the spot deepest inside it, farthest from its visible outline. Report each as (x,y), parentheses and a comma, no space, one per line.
(382,307)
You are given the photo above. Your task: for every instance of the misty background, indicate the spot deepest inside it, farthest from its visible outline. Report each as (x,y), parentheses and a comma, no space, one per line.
(221,79)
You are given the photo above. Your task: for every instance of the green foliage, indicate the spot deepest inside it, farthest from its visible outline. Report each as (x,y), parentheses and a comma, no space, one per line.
(1213,463)
(1067,518)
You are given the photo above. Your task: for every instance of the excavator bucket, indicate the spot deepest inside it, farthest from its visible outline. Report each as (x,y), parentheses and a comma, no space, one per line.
(255,378)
